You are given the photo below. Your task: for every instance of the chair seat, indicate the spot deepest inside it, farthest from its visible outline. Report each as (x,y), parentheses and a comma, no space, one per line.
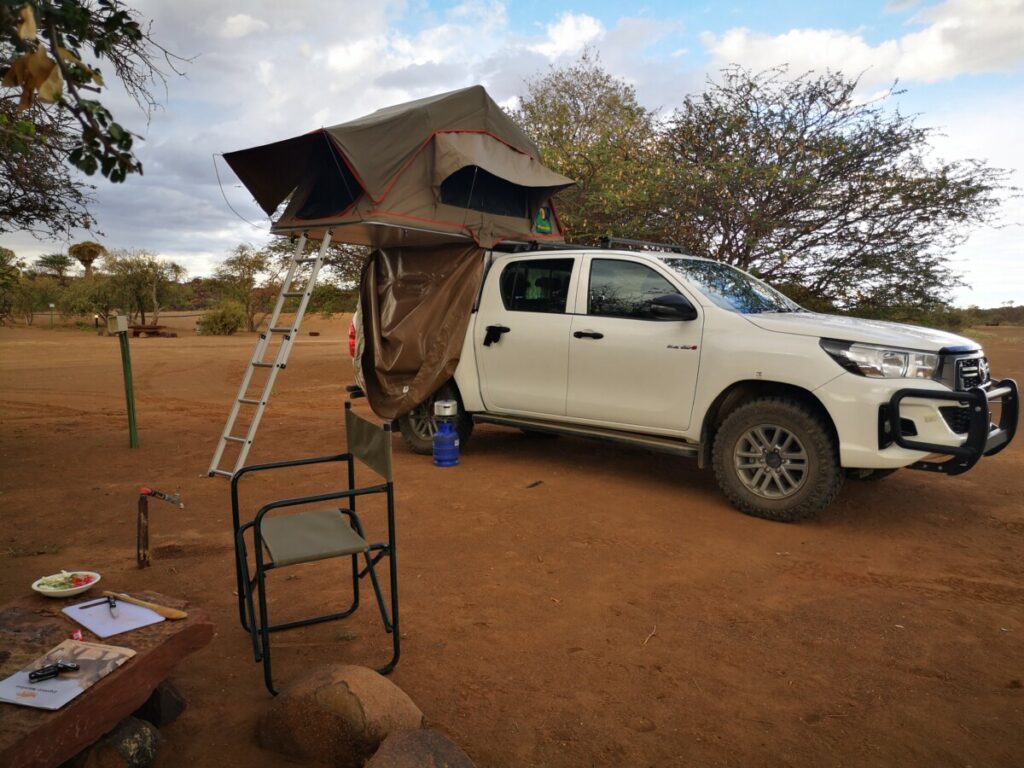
(308,536)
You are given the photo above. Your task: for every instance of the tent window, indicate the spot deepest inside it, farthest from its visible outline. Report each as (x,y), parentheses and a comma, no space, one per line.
(335,188)
(473,187)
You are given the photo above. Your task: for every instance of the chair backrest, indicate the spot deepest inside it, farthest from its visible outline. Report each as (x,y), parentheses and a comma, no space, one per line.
(369,443)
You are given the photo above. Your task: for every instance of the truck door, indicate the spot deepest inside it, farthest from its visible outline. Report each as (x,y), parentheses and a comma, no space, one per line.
(522,334)
(628,368)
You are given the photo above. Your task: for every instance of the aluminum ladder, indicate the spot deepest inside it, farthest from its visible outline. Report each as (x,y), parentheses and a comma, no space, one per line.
(277,360)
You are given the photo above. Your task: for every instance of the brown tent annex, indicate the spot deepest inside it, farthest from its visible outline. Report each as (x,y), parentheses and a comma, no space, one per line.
(446,168)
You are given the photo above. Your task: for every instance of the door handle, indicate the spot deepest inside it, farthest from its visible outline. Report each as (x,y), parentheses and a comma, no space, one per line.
(494,333)
(588,335)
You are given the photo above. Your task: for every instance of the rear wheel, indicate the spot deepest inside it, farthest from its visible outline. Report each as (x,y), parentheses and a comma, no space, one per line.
(775,459)
(419,425)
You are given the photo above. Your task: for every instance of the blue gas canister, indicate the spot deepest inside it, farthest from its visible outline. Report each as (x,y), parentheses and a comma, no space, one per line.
(446,439)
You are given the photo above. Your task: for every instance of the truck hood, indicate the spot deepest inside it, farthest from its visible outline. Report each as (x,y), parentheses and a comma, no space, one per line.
(855,329)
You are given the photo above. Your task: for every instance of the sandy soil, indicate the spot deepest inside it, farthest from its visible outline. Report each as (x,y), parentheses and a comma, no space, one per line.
(619,613)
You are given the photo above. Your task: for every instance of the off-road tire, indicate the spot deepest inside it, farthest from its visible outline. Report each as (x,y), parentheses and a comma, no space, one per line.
(868,475)
(418,426)
(822,478)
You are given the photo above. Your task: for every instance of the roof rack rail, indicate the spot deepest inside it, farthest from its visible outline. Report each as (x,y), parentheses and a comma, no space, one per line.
(609,242)
(523,246)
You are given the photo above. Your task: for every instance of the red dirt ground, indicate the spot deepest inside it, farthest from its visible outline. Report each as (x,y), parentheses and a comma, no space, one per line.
(619,613)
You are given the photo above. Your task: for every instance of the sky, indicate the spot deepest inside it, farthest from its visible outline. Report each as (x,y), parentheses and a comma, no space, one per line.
(262,71)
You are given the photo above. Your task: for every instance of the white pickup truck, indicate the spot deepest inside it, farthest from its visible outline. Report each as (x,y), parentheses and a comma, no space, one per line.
(693,357)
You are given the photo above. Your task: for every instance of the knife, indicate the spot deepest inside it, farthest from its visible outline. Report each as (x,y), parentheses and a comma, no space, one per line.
(163,610)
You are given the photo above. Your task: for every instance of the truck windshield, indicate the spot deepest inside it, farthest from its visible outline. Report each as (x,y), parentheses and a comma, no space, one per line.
(730,288)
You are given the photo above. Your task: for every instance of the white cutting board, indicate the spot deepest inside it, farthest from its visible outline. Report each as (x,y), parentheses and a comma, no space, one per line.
(97,618)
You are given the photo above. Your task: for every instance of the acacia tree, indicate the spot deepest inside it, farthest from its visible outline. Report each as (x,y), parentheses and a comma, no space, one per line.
(10,275)
(56,265)
(48,111)
(142,280)
(590,127)
(804,184)
(250,276)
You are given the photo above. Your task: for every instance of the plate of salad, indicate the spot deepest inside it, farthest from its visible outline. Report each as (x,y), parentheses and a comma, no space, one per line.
(66,583)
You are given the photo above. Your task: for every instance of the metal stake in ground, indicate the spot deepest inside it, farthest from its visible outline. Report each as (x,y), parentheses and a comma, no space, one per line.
(142,532)
(118,325)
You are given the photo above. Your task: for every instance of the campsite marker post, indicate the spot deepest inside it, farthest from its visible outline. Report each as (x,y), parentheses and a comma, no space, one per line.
(118,325)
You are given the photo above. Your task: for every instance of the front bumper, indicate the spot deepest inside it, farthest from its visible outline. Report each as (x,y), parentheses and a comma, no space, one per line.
(983,437)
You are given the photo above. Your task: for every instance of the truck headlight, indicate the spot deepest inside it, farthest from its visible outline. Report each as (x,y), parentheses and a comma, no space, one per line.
(881,362)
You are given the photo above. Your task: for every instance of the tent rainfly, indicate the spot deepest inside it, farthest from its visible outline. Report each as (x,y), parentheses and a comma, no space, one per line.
(437,170)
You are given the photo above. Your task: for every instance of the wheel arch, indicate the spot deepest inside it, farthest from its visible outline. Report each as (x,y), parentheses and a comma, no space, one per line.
(744,391)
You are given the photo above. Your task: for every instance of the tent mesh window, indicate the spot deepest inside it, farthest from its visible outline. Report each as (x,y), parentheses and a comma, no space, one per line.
(474,188)
(335,188)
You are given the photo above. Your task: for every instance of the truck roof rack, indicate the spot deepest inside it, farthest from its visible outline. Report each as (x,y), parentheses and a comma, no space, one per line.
(521,246)
(643,245)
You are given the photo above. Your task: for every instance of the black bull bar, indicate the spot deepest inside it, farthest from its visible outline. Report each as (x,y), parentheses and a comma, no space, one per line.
(983,437)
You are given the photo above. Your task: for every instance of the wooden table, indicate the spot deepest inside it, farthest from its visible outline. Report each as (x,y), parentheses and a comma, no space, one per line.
(32,625)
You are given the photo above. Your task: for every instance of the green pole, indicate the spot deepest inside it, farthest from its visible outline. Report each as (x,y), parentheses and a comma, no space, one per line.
(129,390)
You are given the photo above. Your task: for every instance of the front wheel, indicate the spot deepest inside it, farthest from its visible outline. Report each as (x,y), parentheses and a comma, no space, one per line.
(775,459)
(419,425)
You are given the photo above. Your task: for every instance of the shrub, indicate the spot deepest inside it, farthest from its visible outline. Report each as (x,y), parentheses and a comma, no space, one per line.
(224,319)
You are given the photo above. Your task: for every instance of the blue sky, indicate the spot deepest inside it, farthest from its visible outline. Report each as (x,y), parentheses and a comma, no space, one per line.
(265,70)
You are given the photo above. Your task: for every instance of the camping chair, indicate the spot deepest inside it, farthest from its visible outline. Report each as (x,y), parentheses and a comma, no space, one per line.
(308,536)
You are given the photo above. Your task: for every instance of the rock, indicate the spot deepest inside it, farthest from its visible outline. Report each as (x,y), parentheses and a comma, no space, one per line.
(425,748)
(339,715)
(163,705)
(133,744)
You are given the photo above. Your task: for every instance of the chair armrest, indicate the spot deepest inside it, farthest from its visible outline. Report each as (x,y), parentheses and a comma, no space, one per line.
(277,465)
(316,498)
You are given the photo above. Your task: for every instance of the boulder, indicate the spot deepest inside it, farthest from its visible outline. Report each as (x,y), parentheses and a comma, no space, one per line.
(339,715)
(132,744)
(425,748)
(163,705)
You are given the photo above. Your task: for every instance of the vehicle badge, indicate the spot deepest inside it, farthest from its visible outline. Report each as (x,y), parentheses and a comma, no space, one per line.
(983,371)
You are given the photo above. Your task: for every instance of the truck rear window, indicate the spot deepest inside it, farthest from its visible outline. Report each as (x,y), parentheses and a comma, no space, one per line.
(536,285)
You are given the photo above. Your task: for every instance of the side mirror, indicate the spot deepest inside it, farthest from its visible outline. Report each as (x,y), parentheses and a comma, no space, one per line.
(674,306)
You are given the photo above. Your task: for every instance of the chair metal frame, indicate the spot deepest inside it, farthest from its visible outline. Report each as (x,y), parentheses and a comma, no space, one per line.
(260,630)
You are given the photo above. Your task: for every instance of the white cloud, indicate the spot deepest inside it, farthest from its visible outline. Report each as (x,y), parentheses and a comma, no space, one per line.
(569,34)
(241,25)
(321,64)
(958,37)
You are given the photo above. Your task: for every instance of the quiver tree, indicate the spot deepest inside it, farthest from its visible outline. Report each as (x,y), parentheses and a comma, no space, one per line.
(86,253)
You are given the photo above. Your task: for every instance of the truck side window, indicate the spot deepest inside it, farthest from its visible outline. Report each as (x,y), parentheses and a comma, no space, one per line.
(536,285)
(624,289)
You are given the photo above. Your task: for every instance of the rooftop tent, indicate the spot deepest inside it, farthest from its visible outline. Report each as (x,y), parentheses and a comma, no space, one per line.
(440,169)
(428,184)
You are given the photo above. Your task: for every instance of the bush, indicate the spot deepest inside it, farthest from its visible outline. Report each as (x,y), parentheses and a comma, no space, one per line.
(224,319)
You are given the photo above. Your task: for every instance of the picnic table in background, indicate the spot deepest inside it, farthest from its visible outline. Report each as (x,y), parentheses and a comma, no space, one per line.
(32,625)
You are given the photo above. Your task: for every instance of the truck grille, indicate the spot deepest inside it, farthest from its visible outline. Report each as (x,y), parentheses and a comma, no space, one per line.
(971,373)
(958,419)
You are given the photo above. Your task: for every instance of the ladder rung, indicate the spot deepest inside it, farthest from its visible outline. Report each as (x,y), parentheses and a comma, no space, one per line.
(298,284)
